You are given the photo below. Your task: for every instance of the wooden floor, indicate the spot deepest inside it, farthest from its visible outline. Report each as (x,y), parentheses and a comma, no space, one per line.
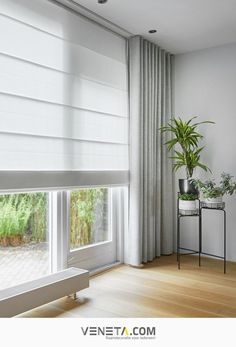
(157,290)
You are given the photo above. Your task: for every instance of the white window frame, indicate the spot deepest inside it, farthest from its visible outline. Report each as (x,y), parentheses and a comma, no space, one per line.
(118,225)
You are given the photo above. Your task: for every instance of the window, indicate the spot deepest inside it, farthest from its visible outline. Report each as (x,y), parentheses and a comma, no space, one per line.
(89,217)
(24,238)
(98,219)
(64,123)
(36,228)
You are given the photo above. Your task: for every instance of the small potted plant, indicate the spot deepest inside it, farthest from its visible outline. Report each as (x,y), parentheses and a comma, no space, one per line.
(213,193)
(187,202)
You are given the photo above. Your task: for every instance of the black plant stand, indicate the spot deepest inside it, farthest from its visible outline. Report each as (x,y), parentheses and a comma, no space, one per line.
(180,215)
(198,213)
(220,208)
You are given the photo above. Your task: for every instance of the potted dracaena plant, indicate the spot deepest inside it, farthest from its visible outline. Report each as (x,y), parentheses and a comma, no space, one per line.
(185,135)
(213,193)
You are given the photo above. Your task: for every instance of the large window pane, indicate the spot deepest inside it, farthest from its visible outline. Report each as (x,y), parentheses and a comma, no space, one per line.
(24,241)
(89,217)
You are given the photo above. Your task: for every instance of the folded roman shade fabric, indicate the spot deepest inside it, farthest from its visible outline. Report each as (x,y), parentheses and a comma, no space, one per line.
(63,92)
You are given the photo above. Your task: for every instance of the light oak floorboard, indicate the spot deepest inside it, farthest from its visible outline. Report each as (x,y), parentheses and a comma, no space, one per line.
(158,289)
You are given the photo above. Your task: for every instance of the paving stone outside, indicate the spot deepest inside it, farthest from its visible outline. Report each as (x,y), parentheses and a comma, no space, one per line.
(23,263)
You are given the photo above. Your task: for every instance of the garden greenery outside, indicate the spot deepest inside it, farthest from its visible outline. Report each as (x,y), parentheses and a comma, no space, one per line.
(24,218)
(88,216)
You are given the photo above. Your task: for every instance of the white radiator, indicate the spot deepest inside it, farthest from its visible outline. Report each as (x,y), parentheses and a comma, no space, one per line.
(29,295)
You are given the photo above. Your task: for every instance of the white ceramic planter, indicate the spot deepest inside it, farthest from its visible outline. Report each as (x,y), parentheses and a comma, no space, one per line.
(217,200)
(187,205)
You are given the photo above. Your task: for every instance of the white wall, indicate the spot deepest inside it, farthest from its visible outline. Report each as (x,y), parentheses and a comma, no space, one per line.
(205,85)
(63,91)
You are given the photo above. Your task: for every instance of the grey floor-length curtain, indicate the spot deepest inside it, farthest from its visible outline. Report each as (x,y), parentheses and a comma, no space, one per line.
(151,188)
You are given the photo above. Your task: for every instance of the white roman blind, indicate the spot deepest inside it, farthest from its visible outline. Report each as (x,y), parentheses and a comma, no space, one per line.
(63,91)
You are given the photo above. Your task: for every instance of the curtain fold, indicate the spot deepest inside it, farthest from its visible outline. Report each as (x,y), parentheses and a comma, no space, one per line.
(151,221)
